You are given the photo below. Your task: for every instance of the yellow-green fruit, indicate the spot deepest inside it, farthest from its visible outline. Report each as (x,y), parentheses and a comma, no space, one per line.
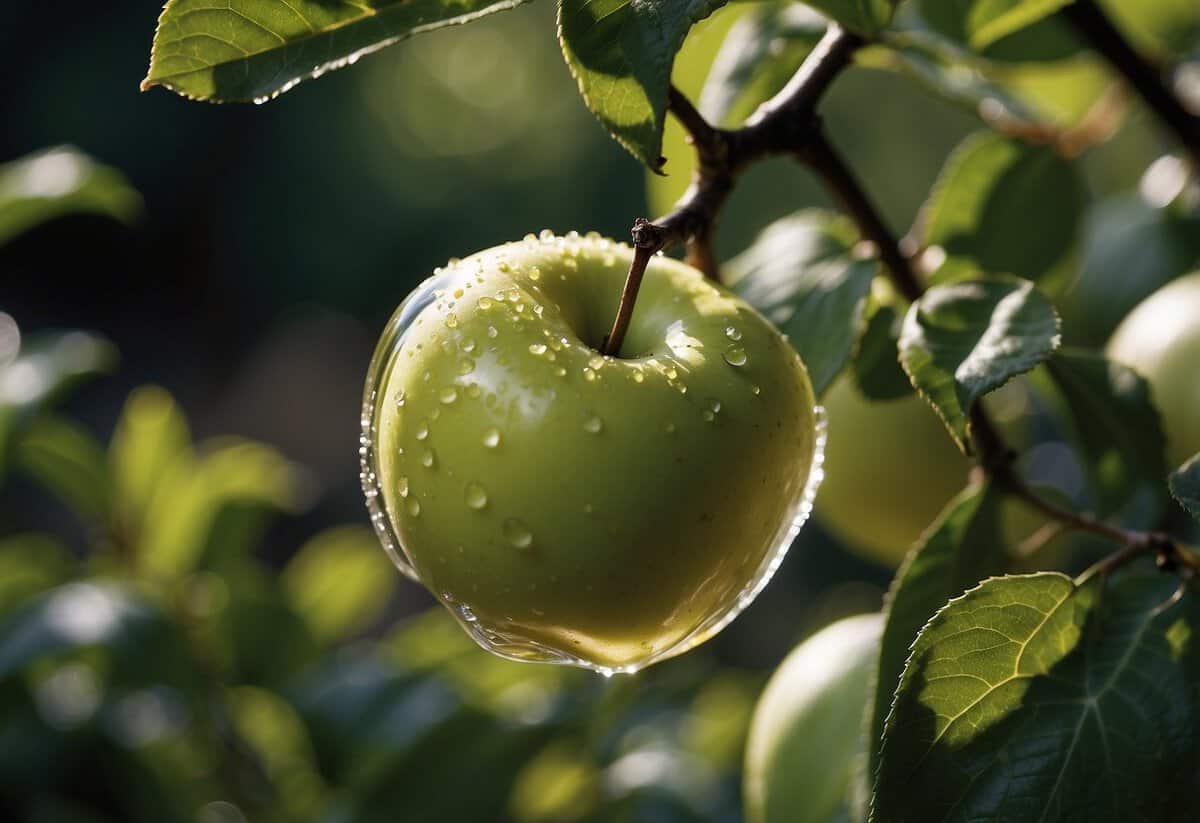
(890,468)
(1160,339)
(806,743)
(569,506)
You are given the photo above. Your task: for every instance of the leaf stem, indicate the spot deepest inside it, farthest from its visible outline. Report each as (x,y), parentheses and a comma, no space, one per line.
(1098,31)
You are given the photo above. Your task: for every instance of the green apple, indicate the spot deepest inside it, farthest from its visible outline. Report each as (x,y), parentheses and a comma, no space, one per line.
(806,746)
(890,468)
(579,508)
(1160,339)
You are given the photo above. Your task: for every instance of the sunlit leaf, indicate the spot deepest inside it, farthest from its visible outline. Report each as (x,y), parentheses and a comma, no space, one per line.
(1031,698)
(1005,29)
(965,339)
(863,16)
(280,742)
(961,548)
(1011,207)
(257,49)
(58,182)
(621,53)
(877,370)
(150,433)
(800,273)
(339,581)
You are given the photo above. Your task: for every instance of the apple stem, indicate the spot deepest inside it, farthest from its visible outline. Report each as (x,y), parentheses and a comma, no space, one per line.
(1091,23)
(645,245)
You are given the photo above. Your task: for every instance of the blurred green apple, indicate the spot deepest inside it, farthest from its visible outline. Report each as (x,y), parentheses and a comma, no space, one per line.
(890,468)
(807,737)
(1160,339)
(572,507)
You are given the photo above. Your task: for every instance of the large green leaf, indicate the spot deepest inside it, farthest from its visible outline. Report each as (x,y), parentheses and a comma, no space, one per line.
(1118,432)
(244,50)
(961,548)
(877,370)
(1011,207)
(1032,698)
(983,25)
(799,273)
(962,340)
(150,433)
(1185,486)
(760,54)
(621,53)
(59,182)
(863,16)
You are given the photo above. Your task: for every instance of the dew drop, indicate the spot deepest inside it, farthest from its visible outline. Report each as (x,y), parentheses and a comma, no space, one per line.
(756,389)
(491,332)
(735,356)
(476,496)
(423,430)
(593,425)
(715,405)
(448,395)
(732,333)
(491,438)
(537,348)
(402,486)
(560,371)
(451,321)
(517,533)
(400,400)
(428,459)
(589,375)
(708,416)
(535,273)
(414,507)
(465,365)
(473,391)
(468,344)
(458,293)
(529,237)
(596,362)
(485,303)
(545,235)
(638,377)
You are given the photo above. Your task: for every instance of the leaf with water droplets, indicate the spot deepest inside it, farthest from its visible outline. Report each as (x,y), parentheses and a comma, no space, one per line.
(257,49)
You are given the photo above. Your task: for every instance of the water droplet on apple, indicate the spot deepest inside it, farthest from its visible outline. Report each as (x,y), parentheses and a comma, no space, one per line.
(458,293)
(400,400)
(465,365)
(545,235)
(735,356)
(476,496)
(491,332)
(451,321)
(756,389)
(402,485)
(560,371)
(428,459)
(593,425)
(414,507)
(596,362)
(715,405)
(537,348)
(473,391)
(708,416)
(638,377)
(491,438)
(485,303)
(468,344)
(422,429)
(517,533)
(670,428)
(448,395)
(732,333)
(503,266)
(588,508)
(589,375)
(535,273)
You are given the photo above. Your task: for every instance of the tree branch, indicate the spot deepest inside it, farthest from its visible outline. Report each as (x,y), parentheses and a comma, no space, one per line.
(1094,26)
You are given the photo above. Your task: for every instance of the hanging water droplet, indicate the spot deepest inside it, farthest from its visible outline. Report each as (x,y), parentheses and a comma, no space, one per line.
(476,496)
(545,235)
(428,459)
(422,429)
(732,333)
(465,365)
(491,438)
(402,486)
(537,348)
(414,507)
(517,533)
(448,395)
(735,356)
(593,425)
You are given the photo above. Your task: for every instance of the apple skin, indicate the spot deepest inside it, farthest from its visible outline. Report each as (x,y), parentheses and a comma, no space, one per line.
(807,736)
(1160,340)
(568,507)
(890,468)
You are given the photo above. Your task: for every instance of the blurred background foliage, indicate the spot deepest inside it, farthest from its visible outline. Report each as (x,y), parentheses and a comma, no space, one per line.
(196,622)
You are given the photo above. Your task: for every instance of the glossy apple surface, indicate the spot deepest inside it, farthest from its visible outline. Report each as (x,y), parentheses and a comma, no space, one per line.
(806,742)
(602,511)
(1160,339)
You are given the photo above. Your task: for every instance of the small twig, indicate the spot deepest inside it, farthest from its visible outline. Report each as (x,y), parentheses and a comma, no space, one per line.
(1093,25)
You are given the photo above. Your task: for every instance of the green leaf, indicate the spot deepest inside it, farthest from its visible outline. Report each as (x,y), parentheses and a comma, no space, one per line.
(257,49)
(58,182)
(877,370)
(1163,27)
(30,564)
(963,340)
(1117,429)
(150,433)
(863,16)
(339,581)
(800,274)
(68,461)
(759,55)
(1002,29)
(1130,250)
(962,547)
(621,52)
(1011,207)
(1032,698)
(1185,486)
